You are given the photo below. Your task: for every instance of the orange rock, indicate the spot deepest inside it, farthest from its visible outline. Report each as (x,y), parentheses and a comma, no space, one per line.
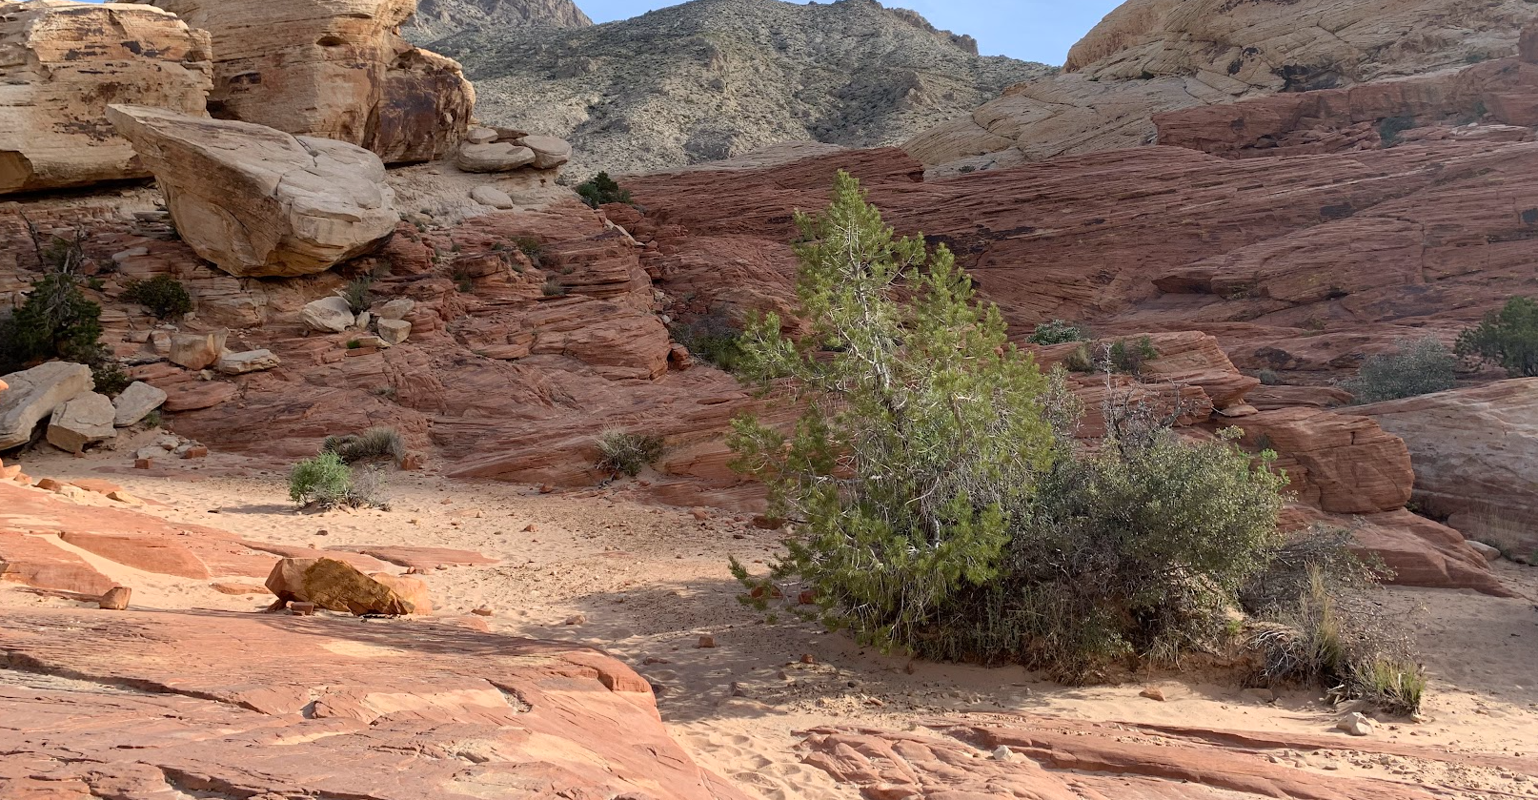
(238,588)
(336,585)
(116,598)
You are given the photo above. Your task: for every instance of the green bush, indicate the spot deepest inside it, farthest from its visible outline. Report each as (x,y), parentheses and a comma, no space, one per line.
(163,295)
(57,321)
(374,444)
(625,453)
(601,190)
(1390,129)
(328,482)
(1416,367)
(1128,358)
(939,502)
(1058,332)
(552,288)
(531,248)
(712,338)
(1508,337)
(324,479)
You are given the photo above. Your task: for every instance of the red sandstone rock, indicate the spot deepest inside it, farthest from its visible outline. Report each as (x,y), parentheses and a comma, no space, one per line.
(1352,464)
(160,555)
(336,585)
(116,598)
(389,710)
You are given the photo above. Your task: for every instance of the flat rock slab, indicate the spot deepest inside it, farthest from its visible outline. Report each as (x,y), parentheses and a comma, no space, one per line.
(385,710)
(362,562)
(36,561)
(423,558)
(158,554)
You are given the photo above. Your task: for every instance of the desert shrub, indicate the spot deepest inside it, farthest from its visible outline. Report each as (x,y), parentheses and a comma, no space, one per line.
(1508,337)
(358,294)
(1080,360)
(1128,357)
(1136,553)
(324,479)
(924,434)
(1416,367)
(328,482)
(1268,377)
(163,295)
(374,444)
(531,248)
(552,288)
(109,377)
(625,453)
(712,338)
(1058,332)
(1390,129)
(938,502)
(55,321)
(602,189)
(1318,623)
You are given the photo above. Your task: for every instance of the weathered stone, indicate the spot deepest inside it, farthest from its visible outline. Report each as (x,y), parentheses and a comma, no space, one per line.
(327,315)
(414,592)
(33,395)
(478,135)
(135,403)
(116,598)
(394,331)
(333,69)
(258,202)
(249,361)
(494,157)
(336,585)
(82,421)
(398,308)
(197,351)
(64,63)
(491,196)
(549,151)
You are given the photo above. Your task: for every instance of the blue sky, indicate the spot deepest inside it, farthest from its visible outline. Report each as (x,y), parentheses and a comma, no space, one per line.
(1034,30)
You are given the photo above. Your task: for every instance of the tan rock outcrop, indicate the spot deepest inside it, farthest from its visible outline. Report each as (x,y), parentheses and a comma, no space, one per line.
(335,69)
(336,585)
(64,62)
(82,421)
(1475,453)
(33,395)
(1152,56)
(258,202)
(197,350)
(135,403)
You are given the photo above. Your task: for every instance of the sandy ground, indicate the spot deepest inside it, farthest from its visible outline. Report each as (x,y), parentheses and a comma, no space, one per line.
(646,582)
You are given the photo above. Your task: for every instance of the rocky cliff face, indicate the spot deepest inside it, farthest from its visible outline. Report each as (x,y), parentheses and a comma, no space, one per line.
(713,79)
(437,19)
(1151,56)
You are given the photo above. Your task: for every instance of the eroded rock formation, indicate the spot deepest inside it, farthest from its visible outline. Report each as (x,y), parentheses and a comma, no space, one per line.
(258,202)
(62,63)
(334,69)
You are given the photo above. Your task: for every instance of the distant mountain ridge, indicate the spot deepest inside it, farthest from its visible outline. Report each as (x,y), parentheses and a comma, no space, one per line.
(436,19)
(714,79)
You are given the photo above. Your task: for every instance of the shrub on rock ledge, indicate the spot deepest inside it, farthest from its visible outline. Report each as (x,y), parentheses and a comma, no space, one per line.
(601,190)
(622,452)
(1508,337)
(163,295)
(1416,367)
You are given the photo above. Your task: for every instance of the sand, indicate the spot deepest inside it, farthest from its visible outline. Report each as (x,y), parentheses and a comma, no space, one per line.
(645,582)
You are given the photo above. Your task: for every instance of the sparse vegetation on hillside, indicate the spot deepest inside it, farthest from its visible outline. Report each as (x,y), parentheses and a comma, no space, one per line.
(328,482)
(601,190)
(163,295)
(712,338)
(58,321)
(374,444)
(1058,332)
(1508,337)
(1416,367)
(359,294)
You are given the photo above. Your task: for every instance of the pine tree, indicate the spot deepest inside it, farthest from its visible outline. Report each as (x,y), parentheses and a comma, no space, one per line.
(924,433)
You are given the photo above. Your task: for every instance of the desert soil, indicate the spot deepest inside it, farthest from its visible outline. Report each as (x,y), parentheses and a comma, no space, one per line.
(645,582)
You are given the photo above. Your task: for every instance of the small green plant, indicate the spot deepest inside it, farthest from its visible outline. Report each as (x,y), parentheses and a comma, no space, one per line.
(1508,337)
(1416,367)
(1058,332)
(1390,129)
(108,377)
(552,288)
(163,295)
(324,479)
(1128,358)
(622,452)
(153,419)
(712,338)
(329,483)
(1268,377)
(1080,360)
(354,344)
(601,190)
(358,293)
(374,444)
(57,320)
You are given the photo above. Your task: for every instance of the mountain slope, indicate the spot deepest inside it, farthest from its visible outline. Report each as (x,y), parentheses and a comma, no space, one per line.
(436,19)
(713,79)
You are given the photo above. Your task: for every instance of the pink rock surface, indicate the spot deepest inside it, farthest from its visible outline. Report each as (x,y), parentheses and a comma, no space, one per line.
(386,711)
(423,558)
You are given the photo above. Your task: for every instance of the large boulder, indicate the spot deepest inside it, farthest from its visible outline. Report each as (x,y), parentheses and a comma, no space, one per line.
(81,422)
(34,394)
(258,202)
(197,350)
(335,69)
(327,315)
(339,586)
(63,63)
(135,403)
(1343,463)
(1475,453)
